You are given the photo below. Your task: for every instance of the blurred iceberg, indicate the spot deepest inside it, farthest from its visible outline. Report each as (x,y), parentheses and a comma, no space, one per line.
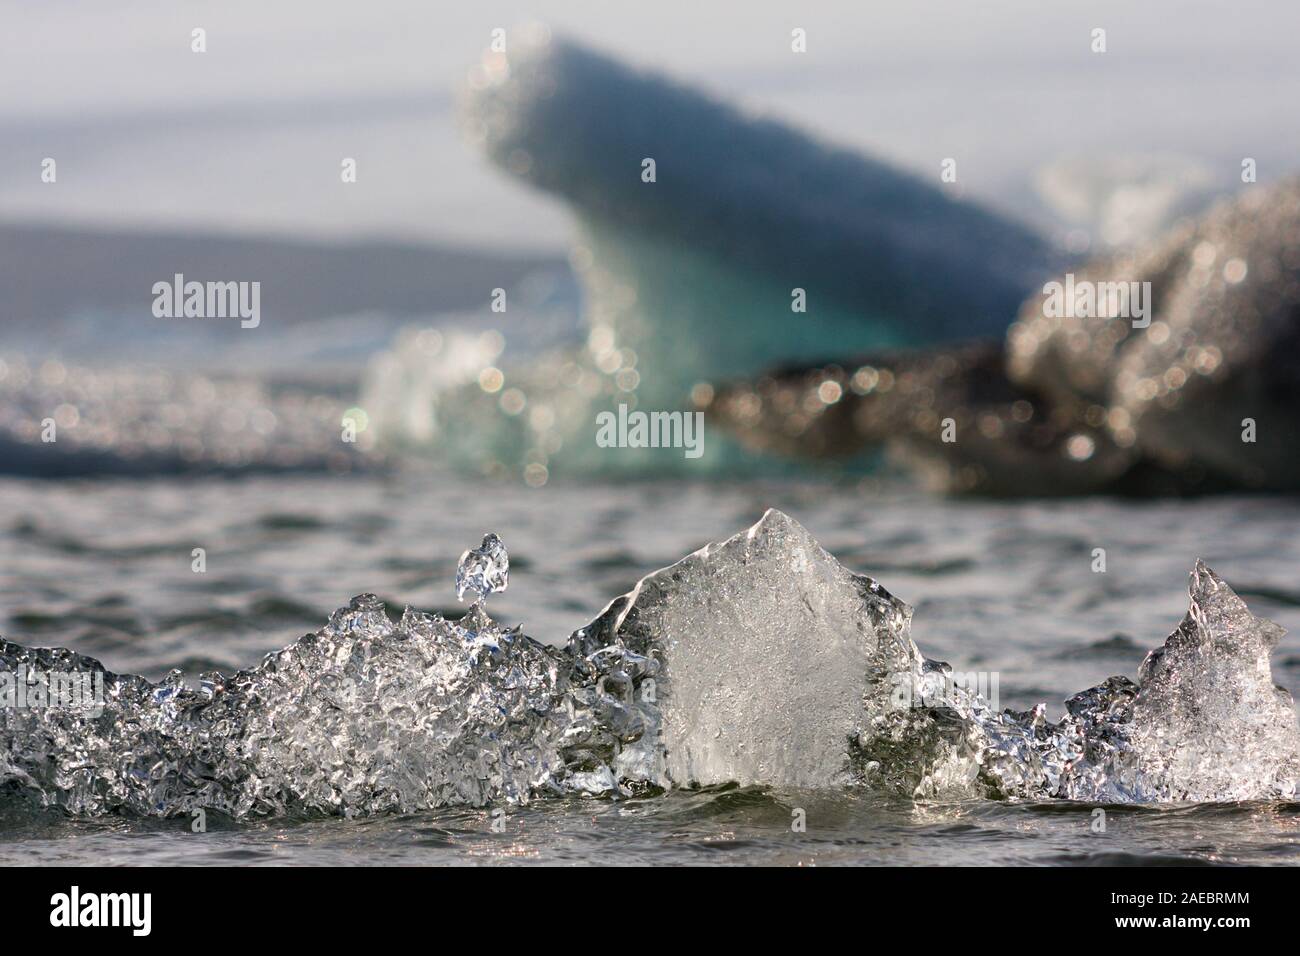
(691,278)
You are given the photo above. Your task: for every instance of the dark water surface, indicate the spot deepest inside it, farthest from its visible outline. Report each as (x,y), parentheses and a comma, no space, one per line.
(105,568)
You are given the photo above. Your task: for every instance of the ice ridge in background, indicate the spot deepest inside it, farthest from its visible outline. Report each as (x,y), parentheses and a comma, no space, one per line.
(759,660)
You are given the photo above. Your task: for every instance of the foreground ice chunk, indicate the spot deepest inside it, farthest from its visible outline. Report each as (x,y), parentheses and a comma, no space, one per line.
(366,715)
(776,665)
(772,655)
(759,660)
(1209,721)
(1206,722)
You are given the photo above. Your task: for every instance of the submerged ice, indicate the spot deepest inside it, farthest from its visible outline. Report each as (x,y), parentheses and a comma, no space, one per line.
(759,660)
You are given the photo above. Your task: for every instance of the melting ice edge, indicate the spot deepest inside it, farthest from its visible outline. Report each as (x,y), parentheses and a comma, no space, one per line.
(759,660)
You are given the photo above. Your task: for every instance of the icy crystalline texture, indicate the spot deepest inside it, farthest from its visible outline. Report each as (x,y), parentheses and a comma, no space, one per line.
(368,716)
(1207,723)
(363,716)
(773,658)
(483,570)
(758,660)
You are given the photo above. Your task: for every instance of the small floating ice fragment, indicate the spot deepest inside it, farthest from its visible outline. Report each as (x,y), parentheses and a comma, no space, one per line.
(483,570)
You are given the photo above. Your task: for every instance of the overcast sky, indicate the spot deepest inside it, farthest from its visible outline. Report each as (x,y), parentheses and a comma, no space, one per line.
(249,135)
